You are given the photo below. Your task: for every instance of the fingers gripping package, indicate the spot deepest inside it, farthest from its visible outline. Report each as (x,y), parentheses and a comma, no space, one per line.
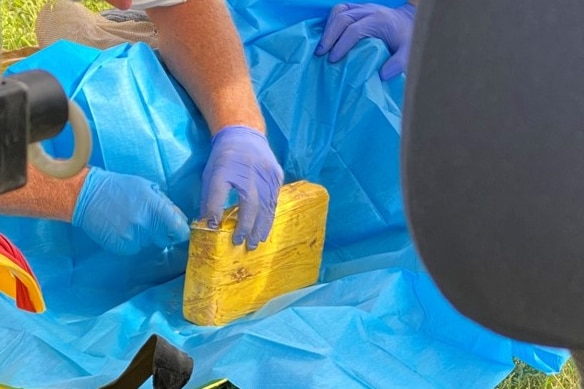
(224,282)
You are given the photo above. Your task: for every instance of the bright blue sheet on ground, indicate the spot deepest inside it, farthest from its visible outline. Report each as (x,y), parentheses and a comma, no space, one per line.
(375,320)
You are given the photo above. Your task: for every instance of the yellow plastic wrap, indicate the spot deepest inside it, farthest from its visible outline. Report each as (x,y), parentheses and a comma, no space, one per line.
(224,282)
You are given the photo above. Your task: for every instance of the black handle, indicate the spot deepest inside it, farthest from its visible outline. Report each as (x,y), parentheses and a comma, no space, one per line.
(48,103)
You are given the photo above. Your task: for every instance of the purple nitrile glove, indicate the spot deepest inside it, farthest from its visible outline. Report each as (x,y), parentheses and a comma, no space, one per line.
(125,213)
(349,23)
(241,158)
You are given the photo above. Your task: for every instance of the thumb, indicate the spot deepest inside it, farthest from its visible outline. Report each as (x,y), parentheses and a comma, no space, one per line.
(169,224)
(393,67)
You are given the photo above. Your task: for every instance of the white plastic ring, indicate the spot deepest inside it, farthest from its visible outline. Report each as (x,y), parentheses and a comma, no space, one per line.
(68,167)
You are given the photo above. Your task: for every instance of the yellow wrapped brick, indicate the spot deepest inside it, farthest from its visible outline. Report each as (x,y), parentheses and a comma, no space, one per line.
(224,282)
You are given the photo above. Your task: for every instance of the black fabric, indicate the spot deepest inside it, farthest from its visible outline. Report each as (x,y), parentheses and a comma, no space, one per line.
(170,367)
(493,161)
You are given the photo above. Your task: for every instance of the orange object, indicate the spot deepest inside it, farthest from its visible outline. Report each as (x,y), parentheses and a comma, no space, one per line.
(17,279)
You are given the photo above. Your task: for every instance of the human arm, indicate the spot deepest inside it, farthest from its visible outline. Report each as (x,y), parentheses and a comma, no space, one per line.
(43,196)
(202,49)
(122,213)
(349,23)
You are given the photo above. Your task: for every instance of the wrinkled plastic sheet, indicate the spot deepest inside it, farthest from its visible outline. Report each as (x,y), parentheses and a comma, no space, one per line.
(374,320)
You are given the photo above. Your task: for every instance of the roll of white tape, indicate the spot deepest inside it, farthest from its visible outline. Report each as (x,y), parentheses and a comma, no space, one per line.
(68,167)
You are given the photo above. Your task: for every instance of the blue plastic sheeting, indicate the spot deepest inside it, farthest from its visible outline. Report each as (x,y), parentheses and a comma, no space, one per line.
(375,320)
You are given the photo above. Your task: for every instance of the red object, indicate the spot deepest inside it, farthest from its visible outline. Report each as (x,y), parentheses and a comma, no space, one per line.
(10,251)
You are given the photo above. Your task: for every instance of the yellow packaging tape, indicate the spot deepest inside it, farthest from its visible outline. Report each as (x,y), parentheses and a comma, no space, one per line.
(224,282)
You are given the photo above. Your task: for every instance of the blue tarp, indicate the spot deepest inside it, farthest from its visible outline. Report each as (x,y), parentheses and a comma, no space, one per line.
(374,320)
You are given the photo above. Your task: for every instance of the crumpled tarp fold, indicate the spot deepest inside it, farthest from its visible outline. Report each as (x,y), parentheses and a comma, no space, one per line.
(375,319)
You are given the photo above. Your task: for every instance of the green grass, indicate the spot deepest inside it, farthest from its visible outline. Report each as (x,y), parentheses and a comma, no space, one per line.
(18,18)
(525,377)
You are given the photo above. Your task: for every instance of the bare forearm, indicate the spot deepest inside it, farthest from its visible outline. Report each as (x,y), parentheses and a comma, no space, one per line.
(201,47)
(44,196)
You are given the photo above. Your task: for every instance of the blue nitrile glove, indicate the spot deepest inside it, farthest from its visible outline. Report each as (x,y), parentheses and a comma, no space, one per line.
(241,158)
(349,23)
(125,213)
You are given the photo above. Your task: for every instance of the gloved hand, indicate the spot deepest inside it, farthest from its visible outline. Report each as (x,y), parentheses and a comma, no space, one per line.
(125,213)
(349,23)
(241,158)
